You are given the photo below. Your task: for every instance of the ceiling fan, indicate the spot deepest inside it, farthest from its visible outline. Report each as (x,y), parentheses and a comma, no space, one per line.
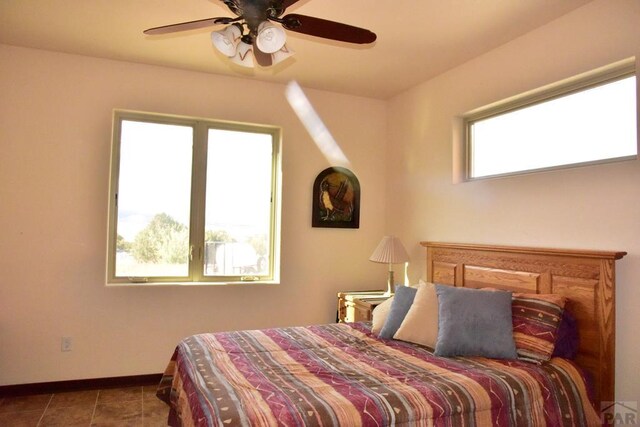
(251,33)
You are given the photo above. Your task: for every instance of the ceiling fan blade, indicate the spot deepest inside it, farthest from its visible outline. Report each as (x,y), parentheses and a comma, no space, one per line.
(263,59)
(327,29)
(186,26)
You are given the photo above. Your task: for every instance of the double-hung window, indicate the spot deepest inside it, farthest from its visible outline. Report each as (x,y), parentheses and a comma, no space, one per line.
(193,201)
(587,119)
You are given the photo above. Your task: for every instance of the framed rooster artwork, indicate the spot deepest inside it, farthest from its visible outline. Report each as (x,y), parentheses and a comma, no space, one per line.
(336,199)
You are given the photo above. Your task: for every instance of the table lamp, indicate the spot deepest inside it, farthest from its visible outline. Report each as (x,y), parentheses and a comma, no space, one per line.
(390,251)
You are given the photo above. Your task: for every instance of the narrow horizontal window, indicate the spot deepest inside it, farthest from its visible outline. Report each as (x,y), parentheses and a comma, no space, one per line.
(192,201)
(590,119)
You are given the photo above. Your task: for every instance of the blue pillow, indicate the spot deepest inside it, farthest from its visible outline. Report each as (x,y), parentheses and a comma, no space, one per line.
(472,322)
(400,306)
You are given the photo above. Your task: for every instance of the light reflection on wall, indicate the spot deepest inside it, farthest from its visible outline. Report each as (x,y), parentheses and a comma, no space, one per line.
(314,125)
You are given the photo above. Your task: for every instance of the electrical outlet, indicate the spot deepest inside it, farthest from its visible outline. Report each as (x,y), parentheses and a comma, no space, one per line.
(66,344)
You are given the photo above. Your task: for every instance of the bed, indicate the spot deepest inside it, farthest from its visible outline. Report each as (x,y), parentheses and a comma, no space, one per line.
(345,374)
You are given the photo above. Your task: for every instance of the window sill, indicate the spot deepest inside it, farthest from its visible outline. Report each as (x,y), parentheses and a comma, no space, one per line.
(189,284)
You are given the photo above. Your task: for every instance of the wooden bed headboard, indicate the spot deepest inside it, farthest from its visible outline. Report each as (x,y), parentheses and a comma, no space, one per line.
(585,278)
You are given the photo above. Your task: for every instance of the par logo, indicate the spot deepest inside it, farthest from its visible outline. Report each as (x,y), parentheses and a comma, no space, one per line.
(620,413)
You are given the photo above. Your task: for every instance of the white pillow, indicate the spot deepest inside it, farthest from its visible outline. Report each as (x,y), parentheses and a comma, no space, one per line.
(379,315)
(420,325)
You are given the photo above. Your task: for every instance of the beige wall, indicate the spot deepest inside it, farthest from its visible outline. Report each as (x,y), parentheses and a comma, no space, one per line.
(596,207)
(55,132)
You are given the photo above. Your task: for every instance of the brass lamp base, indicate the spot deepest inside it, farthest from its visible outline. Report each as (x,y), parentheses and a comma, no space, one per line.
(390,285)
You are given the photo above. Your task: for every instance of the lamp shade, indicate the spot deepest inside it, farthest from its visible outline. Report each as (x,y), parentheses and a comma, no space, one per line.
(390,251)
(270,38)
(244,55)
(226,41)
(282,54)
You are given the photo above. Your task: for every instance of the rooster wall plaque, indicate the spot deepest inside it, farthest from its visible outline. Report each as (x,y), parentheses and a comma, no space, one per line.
(336,199)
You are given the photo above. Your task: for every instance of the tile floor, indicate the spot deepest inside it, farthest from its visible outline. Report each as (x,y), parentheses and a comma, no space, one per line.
(122,407)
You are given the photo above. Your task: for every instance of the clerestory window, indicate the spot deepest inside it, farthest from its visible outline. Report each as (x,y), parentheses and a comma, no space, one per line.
(587,119)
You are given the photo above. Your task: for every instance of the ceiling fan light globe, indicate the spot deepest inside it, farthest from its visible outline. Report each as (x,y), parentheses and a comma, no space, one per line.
(227,40)
(270,38)
(282,54)
(244,55)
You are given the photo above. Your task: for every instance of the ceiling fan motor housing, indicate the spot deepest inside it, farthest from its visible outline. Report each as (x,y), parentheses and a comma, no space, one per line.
(255,12)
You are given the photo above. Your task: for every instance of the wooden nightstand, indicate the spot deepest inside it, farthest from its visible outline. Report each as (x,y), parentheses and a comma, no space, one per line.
(357,306)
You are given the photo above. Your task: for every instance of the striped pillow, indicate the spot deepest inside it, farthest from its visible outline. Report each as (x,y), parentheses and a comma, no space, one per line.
(536,318)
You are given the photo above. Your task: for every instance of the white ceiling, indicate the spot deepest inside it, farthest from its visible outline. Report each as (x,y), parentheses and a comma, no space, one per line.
(417,39)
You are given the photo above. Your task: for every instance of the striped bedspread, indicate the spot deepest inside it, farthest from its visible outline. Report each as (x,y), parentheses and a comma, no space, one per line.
(341,375)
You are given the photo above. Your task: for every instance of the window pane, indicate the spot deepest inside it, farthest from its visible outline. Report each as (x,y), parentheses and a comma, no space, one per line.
(153,200)
(238,203)
(595,124)
(174,186)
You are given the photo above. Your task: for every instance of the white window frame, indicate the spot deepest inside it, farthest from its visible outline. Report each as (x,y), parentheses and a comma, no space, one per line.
(601,76)
(198,186)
